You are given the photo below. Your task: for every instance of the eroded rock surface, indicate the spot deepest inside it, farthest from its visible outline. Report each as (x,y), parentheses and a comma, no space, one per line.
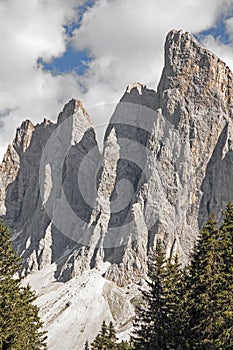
(189,159)
(31,191)
(167,164)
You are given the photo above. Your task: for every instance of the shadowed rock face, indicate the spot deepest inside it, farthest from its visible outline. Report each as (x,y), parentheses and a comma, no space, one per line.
(189,159)
(166,165)
(36,237)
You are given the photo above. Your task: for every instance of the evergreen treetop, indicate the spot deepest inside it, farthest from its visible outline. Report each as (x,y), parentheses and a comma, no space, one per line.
(20,325)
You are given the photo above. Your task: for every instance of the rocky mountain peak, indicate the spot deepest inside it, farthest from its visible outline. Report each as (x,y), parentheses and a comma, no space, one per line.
(75,119)
(73,107)
(23,136)
(167,163)
(138,86)
(192,72)
(139,94)
(8,171)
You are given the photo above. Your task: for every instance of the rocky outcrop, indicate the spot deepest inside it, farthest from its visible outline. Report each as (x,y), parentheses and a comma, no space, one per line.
(192,74)
(31,198)
(189,156)
(166,165)
(8,172)
(195,94)
(11,162)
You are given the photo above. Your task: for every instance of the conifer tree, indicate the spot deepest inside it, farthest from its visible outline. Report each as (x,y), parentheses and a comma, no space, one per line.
(159,314)
(210,288)
(123,345)
(176,316)
(112,332)
(201,299)
(107,340)
(224,318)
(150,312)
(20,326)
(192,308)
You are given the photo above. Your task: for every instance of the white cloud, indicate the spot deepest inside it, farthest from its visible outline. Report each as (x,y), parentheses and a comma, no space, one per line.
(223,51)
(29,30)
(124,37)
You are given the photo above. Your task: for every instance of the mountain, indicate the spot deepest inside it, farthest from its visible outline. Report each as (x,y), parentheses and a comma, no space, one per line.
(85,222)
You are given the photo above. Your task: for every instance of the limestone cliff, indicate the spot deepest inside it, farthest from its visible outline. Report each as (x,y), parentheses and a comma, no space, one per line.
(29,182)
(166,165)
(187,174)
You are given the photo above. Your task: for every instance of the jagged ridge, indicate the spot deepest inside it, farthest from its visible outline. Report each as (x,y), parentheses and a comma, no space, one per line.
(166,165)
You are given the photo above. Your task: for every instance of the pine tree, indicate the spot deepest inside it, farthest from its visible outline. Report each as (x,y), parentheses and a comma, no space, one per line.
(20,326)
(103,340)
(192,308)
(10,263)
(123,345)
(107,340)
(158,324)
(202,288)
(210,288)
(176,316)
(224,320)
(149,312)
(111,336)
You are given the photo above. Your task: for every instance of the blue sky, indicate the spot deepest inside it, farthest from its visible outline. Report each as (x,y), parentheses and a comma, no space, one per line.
(52,51)
(218,32)
(72,60)
(77,61)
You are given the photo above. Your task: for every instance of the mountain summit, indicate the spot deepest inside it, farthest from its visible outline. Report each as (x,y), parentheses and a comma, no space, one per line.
(81,218)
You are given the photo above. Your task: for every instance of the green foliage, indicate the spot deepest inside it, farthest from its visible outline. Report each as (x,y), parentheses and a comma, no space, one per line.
(9,261)
(103,340)
(123,346)
(210,287)
(225,293)
(157,323)
(107,340)
(203,282)
(20,326)
(190,308)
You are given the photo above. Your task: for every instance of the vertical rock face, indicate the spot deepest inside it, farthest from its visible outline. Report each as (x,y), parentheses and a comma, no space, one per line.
(217,185)
(166,165)
(8,172)
(193,73)
(32,179)
(196,97)
(189,156)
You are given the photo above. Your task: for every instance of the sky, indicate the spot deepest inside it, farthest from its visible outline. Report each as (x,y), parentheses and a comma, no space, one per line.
(54,50)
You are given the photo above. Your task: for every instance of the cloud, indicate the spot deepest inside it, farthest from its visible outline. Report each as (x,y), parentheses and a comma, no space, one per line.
(223,51)
(125,39)
(29,30)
